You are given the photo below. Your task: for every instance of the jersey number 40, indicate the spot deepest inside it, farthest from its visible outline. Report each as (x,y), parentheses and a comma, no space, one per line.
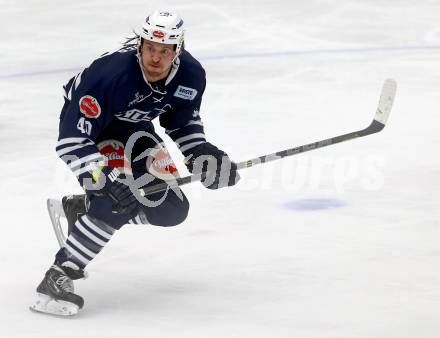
(84,126)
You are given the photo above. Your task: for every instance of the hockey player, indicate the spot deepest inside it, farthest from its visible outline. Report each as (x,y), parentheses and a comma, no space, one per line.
(105,130)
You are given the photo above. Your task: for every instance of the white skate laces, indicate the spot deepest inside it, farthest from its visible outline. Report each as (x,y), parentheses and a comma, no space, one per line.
(65,283)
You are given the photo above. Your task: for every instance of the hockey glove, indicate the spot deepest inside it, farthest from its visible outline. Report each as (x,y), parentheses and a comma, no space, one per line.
(108,181)
(219,170)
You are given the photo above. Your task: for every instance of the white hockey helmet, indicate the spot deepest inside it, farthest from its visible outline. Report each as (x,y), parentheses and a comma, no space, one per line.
(164,27)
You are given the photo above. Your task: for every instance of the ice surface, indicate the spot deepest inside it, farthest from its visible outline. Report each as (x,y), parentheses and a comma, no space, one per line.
(280,73)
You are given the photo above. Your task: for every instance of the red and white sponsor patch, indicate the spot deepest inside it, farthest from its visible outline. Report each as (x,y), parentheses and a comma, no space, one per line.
(161,165)
(114,151)
(89,106)
(159,162)
(158,34)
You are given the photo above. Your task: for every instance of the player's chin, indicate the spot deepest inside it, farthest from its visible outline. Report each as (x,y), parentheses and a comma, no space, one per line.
(155,70)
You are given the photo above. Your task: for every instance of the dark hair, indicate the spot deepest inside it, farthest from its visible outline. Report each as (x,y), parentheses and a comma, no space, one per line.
(131,41)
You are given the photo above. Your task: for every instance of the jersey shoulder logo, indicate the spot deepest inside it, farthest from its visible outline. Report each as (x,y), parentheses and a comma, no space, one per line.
(185,93)
(90,107)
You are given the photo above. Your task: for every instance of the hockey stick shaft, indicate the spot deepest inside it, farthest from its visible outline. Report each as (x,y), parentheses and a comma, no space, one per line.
(383,110)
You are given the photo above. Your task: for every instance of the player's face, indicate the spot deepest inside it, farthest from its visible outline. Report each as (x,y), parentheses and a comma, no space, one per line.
(157,59)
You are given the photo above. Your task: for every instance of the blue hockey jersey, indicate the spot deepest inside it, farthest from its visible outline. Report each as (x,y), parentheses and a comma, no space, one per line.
(112,99)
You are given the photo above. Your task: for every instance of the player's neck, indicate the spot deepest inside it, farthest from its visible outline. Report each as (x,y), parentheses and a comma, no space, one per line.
(153,78)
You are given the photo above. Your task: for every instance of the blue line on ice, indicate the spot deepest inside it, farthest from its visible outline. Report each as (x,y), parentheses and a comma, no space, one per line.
(323,51)
(314,204)
(254,56)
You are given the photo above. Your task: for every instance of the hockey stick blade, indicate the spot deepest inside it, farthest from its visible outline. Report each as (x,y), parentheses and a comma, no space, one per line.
(383,108)
(386,101)
(382,113)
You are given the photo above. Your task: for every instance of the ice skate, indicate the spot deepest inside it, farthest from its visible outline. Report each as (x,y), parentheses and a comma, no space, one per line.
(71,208)
(74,206)
(55,294)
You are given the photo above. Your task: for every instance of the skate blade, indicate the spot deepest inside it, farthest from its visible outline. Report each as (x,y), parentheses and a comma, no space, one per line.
(56,211)
(46,304)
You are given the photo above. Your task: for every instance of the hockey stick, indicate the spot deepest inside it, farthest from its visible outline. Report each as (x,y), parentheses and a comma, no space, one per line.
(383,111)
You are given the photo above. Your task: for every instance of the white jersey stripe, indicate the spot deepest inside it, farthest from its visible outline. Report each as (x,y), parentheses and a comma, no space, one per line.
(89,168)
(190,123)
(91,236)
(190,145)
(72,148)
(95,228)
(73,140)
(85,159)
(81,247)
(199,123)
(77,80)
(189,137)
(169,131)
(77,255)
